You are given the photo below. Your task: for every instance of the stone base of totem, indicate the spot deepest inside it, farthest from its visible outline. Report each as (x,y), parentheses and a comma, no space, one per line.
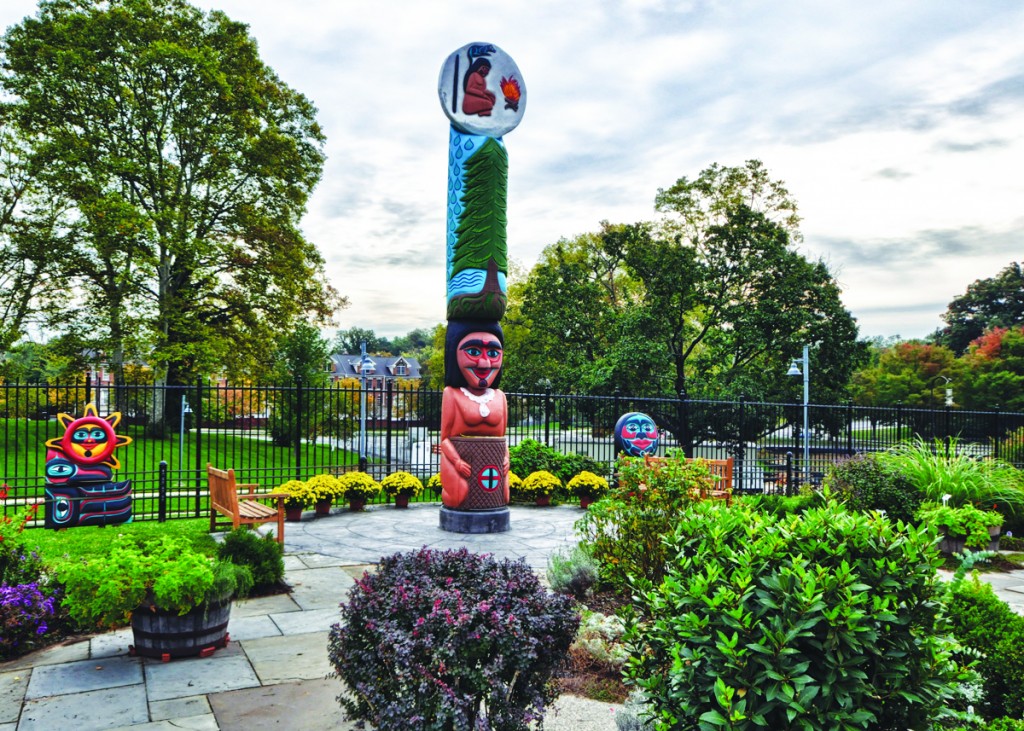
(475,521)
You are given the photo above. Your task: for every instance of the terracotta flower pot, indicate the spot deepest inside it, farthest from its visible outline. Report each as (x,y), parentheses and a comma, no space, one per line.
(293,515)
(401,501)
(586,501)
(355,504)
(323,507)
(542,500)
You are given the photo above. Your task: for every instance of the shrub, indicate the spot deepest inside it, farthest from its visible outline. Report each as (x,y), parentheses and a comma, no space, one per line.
(823,621)
(540,483)
(863,482)
(961,475)
(999,724)
(780,505)
(167,574)
(515,486)
(1010,542)
(450,640)
(1011,447)
(262,555)
(574,574)
(572,464)
(359,485)
(599,638)
(324,487)
(625,531)
(26,611)
(587,485)
(982,621)
(631,716)
(27,598)
(401,483)
(963,522)
(299,494)
(531,456)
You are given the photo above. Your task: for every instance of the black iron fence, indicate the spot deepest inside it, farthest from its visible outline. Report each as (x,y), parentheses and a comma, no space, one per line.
(271,434)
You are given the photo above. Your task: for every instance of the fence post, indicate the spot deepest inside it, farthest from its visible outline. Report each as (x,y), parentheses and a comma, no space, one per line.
(162,493)
(389,400)
(298,427)
(547,415)
(789,474)
(996,433)
(849,426)
(88,386)
(899,422)
(197,413)
(741,439)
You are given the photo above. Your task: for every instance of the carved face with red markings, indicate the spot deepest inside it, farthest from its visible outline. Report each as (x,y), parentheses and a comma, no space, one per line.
(479,357)
(636,434)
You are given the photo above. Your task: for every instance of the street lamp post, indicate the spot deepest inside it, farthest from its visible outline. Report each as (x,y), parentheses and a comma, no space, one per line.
(805,371)
(365,366)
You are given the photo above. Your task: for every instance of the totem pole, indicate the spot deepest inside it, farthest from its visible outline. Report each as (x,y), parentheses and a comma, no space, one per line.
(483,95)
(79,470)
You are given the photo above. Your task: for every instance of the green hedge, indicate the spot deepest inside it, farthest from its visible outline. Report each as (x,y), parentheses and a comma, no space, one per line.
(821,621)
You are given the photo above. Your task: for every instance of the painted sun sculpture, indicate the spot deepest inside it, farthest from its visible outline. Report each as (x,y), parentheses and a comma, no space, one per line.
(483,95)
(79,473)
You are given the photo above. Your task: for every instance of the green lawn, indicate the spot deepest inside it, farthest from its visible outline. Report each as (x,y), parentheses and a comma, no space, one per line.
(251,454)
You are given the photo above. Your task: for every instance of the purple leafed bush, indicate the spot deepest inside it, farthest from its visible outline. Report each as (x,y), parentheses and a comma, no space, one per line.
(25,614)
(450,640)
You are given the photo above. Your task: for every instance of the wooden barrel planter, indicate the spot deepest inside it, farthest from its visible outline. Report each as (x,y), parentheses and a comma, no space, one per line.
(166,635)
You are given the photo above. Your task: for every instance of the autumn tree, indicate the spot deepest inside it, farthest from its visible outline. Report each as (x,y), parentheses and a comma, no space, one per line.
(993,372)
(188,164)
(912,373)
(987,304)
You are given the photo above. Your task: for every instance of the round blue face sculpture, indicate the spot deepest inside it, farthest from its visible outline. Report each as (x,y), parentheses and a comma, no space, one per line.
(636,435)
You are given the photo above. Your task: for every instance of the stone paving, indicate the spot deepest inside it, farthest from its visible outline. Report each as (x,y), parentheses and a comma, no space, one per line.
(273,674)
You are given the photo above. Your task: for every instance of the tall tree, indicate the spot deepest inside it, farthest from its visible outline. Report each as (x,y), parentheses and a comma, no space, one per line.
(713,300)
(987,303)
(993,371)
(189,164)
(350,341)
(31,241)
(301,360)
(911,372)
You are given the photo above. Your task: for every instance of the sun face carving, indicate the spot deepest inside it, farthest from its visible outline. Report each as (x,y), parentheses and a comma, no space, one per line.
(90,439)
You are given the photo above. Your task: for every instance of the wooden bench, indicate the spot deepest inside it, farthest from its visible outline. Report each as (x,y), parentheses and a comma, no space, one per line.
(721,470)
(224,499)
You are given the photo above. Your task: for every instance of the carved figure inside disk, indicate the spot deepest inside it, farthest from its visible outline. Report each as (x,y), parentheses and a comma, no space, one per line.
(475,97)
(473,407)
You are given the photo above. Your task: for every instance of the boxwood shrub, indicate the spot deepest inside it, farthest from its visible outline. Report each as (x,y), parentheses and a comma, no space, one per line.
(984,622)
(863,482)
(437,640)
(821,621)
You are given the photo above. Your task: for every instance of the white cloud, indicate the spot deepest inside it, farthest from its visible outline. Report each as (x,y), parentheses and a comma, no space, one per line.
(896,125)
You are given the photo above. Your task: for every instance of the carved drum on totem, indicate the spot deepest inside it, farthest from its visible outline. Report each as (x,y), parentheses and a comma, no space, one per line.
(486,455)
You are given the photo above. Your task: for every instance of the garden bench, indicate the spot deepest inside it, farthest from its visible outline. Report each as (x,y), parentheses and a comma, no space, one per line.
(247,510)
(721,469)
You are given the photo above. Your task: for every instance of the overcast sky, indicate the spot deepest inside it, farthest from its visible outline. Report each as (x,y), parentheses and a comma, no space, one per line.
(897,126)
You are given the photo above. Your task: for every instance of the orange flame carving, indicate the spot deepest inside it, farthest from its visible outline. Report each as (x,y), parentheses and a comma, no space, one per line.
(510,89)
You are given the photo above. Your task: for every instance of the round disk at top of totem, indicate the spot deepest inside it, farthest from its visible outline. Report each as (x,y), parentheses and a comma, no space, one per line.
(483,95)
